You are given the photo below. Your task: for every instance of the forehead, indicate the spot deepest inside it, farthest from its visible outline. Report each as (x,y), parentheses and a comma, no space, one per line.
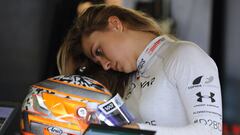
(86,45)
(92,38)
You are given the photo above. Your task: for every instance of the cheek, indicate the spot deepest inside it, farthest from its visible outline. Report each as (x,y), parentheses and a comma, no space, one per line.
(118,51)
(116,48)
(112,53)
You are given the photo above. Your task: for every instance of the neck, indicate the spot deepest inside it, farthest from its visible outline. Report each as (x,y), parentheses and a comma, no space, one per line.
(141,40)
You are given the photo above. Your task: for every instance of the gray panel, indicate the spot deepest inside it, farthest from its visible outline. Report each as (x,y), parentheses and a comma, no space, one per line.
(193,21)
(232,42)
(232,62)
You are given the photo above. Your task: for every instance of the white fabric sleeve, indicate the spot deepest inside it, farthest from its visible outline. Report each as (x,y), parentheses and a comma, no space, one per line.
(195,75)
(187,130)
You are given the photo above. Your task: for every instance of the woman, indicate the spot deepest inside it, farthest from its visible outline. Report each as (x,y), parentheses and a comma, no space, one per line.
(170,86)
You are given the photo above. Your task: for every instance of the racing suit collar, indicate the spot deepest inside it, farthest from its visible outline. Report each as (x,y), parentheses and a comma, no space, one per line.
(149,52)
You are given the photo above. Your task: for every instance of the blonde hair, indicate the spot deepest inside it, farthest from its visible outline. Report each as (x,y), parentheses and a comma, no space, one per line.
(70,56)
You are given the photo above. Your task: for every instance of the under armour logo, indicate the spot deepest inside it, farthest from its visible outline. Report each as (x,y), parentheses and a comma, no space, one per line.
(199,94)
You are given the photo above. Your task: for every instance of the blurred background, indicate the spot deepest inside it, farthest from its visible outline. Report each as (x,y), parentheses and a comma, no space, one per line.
(31,32)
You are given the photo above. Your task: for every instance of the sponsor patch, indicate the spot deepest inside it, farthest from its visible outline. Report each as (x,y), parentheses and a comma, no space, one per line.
(147,83)
(208,105)
(82,112)
(205,111)
(109,107)
(202,81)
(142,62)
(209,122)
(152,122)
(55,130)
(209,97)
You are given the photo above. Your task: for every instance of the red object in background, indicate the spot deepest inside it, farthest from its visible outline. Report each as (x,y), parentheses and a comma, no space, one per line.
(236,129)
(231,129)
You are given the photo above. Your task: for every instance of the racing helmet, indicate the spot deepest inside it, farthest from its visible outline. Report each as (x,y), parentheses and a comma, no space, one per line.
(62,105)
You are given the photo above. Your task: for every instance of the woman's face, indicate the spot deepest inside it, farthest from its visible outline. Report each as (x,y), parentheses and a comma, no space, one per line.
(111,49)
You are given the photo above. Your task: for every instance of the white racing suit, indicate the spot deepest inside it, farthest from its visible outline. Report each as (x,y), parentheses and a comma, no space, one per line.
(176,90)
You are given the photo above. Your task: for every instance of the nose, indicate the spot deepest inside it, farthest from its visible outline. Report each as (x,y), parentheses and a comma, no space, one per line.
(106,64)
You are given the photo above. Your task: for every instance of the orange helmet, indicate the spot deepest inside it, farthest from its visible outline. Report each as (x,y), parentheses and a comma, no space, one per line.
(62,105)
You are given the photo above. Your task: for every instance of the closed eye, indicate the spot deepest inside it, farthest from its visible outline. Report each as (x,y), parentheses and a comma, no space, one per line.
(98,52)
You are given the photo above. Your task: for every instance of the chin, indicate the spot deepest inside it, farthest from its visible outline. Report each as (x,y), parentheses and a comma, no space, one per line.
(129,70)
(126,72)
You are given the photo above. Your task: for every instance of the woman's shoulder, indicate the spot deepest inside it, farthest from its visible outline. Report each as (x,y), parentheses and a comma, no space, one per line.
(187,50)
(180,51)
(187,46)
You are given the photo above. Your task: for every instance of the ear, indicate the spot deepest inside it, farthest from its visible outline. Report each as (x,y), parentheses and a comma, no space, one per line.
(114,23)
